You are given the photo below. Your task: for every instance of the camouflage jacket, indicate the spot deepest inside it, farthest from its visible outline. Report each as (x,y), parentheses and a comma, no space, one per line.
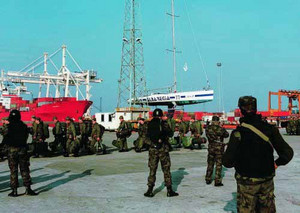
(215,135)
(71,130)
(34,127)
(172,124)
(96,131)
(182,128)
(39,132)
(143,130)
(82,128)
(196,128)
(4,130)
(57,129)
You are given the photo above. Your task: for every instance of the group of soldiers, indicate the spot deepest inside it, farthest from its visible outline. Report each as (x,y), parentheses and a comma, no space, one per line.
(249,150)
(69,137)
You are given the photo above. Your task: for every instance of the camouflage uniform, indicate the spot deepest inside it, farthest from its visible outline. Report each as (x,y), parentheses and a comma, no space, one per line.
(57,132)
(196,132)
(96,145)
(17,156)
(72,143)
(83,135)
(250,151)
(215,135)
(3,146)
(38,138)
(160,152)
(182,129)
(122,137)
(142,141)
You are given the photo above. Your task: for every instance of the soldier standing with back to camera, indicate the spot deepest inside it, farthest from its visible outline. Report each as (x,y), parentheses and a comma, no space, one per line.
(158,132)
(215,135)
(250,151)
(16,140)
(57,132)
(38,137)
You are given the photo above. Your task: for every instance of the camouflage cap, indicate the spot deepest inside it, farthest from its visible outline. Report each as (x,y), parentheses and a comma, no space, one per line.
(68,118)
(54,118)
(38,119)
(121,117)
(215,118)
(33,117)
(247,103)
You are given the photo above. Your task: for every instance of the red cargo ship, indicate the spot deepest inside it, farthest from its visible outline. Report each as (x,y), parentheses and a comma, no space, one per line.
(45,108)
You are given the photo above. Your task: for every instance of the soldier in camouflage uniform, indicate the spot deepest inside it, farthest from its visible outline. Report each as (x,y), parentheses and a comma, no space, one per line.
(142,141)
(57,132)
(38,136)
(83,137)
(215,135)
(122,134)
(158,133)
(96,145)
(3,147)
(196,132)
(182,129)
(293,126)
(250,151)
(72,145)
(16,139)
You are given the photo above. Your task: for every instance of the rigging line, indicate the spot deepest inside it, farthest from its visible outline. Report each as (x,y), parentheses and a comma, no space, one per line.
(40,63)
(31,63)
(74,61)
(197,46)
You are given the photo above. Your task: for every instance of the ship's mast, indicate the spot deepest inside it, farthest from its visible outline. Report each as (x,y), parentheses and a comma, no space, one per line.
(174,51)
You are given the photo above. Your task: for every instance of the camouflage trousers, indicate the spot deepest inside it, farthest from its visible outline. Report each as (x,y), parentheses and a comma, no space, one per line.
(120,143)
(141,143)
(156,155)
(212,159)
(255,195)
(72,146)
(17,157)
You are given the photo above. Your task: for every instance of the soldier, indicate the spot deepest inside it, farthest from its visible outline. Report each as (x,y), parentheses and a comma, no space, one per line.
(3,147)
(250,151)
(293,124)
(96,140)
(182,129)
(33,129)
(142,141)
(17,135)
(196,132)
(158,132)
(72,143)
(122,133)
(57,132)
(215,135)
(38,136)
(83,138)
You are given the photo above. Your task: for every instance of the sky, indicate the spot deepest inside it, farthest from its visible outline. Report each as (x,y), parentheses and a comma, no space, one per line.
(257,43)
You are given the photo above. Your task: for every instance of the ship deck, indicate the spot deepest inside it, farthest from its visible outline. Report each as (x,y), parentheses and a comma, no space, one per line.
(116,182)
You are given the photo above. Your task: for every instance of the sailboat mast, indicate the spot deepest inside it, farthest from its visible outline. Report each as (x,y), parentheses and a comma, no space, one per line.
(174,46)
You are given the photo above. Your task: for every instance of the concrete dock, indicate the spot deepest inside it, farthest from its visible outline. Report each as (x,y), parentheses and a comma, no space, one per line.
(116,182)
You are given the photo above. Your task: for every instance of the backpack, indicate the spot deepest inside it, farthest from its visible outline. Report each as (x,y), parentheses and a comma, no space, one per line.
(128,130)
(102,129)
(46,130)
(77,128)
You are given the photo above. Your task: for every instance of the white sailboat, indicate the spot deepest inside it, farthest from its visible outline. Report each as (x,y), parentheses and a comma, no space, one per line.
(176,98)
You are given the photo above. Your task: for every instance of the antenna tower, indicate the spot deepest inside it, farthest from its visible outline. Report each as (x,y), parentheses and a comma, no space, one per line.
(132,82)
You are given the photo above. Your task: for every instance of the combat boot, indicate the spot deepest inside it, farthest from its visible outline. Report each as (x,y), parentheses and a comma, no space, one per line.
(30,192)
(219,184)
(14,193)
(171,193)
(149,192)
